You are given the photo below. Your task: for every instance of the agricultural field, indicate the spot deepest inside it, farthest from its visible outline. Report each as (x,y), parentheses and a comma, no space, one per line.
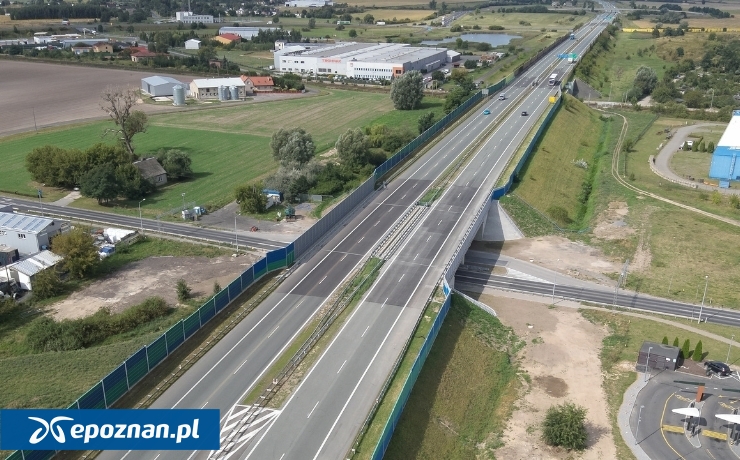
(519,22)
(229,145)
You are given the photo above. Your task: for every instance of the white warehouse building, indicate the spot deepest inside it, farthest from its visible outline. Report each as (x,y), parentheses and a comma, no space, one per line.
(208,88)
(244,32)
(160,86)
(367,61)
(187,17)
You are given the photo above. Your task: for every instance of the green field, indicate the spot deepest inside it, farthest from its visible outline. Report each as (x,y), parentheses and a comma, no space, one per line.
(464,393)
(696,164)
(229,144)
(516,22)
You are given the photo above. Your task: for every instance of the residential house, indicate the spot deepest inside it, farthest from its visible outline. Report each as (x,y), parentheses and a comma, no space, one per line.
(259,84)
(141,56)
(102,47)
(82,49)
(152,171)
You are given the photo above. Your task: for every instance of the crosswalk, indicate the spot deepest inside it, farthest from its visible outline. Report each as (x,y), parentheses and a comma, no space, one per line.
(246,432)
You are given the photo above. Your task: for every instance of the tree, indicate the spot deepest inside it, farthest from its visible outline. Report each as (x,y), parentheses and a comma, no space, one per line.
(216,288)
(438,75)
(352,33)
(78,250)
(250,198)
(176,163)
(130,182)
(564,426)
(352,147)
(686,147)
(675,342)
(425,121)
(433,4)
(292,146)
(686,349)
(407,90)
(702,147)
(679,51)
(46,284)
(100,183)
(656,33)
(698,352)
(645,80)
(183,290)
(627,145)
(368,19)
(470,64)
(710,147)
(312,23)
(118,104)
(665,340)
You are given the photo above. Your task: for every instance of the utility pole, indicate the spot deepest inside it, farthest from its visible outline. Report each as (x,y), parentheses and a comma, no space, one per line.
(730,348)
(622,280)
(706,283)
(639,417)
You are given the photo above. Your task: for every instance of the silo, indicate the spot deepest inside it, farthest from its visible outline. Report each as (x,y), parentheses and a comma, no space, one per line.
(178,95)
(221,93)
(234,93)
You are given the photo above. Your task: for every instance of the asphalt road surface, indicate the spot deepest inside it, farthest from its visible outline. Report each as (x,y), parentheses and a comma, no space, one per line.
(182,230)
(228,371)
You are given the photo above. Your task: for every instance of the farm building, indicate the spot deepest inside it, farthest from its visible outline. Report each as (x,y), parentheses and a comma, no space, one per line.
(24,271)
(228,38)
(211,88)
(152,171)
(366,61)
(159,86)
(102,47)
(187,17)
(259,84)
(244,32)
(658,356)
(724,165)
(28,234)
(192,44)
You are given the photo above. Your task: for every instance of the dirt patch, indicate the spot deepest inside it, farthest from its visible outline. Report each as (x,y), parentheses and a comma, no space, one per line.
(282,230)
(562,359)
(154,276)
(572,258)
(611,225)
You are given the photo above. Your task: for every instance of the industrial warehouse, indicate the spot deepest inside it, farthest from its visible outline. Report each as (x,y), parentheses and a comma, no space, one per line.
(724,160)
(366,61)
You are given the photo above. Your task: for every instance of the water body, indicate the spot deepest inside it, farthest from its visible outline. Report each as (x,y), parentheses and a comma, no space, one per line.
(491,39)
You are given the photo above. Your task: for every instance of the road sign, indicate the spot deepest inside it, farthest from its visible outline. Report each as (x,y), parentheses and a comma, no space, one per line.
(573,55)
(563,56)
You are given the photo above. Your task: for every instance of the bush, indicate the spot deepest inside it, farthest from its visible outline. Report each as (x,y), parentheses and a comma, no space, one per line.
(559,214)
(46,284)
(734,202)
(675,342)
(698,352)
(183,290)
(686,349)
(665,340)
(564,426)
(216,288)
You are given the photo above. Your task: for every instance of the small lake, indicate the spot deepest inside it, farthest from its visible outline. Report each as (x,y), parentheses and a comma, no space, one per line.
(491,39)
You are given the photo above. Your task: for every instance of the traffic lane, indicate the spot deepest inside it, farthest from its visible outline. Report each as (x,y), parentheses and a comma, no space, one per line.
(716,432)
(366,235)
(327,272)
(406,192)
(651,437)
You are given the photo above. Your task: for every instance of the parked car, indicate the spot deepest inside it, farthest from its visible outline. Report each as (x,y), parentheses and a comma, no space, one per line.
(718,368)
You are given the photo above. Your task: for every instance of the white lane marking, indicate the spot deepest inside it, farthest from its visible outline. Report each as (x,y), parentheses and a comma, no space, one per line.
(358,241)
(450,208)
(386,300)
(466,183)
(314,408)
(399,279)
(404,196)
(273,331)
(343,257)
(376,224)
(440,222)
(458,195)
(430,237)
(299,303)
(204,405)
(414,186)
(322,279)
(281,457)
(417,255)
(237,369)
(363,334)
(342,366)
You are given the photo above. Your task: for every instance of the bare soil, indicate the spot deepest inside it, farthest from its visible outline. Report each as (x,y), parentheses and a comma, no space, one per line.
(562,360)
(154,276)
(611,225)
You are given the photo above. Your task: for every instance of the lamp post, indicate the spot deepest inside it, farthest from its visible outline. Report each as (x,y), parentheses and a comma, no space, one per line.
(729,348)
(236,235)
(647,363)
(141,221)
(41,203)
(639,417)
(711,104)
(183,201)
(706,283)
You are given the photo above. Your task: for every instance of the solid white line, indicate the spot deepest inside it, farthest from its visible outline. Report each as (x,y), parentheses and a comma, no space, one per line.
(273,331)
(314,408)
(342,366)
(237,369)
(322,279)
(204,405)
(363,334)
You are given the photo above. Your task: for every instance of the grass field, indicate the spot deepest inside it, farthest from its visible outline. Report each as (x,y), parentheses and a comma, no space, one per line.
(622,345)
(229,145)
(551,178)
(464,393)
(512,21)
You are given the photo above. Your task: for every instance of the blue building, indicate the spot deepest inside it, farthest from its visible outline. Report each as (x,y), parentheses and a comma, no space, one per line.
(725,165)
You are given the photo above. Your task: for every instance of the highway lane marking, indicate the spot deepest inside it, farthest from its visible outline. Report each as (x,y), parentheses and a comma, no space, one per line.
(343,257)
(430,236)
(417,255)
(458,195)
(273,331)
(363,335)
(466,183)
(450,208)
(404,196)
(376,224)
(237,369)
(415,184)
(386,300)
(440,222)
(155,458)
(358,241)
(314,408)
(402,275)
(281,457)
(322,279)
(342,366)
(204,405)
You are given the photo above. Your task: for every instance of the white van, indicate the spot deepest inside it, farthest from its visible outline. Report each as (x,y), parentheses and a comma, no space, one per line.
(502,97)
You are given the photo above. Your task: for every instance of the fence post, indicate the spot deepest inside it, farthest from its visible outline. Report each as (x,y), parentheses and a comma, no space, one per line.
(146,353)
(105,400)
(125,369)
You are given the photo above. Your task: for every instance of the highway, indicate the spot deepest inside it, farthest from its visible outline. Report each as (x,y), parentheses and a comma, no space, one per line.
(324,413)
(175,229)
(231,368)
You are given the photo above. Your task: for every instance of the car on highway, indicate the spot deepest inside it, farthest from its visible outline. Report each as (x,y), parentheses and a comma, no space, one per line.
(486,112)
(524,113)
(717,367)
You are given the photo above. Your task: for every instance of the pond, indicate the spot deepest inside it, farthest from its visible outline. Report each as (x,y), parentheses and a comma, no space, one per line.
(491,39)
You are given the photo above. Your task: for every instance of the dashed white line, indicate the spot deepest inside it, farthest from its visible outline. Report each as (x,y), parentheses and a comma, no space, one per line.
(314,408)
(281,457)
(237,369)
(340,367)
(322,279)
(399,280)
(204,405)
(440,221)
(429,238)
(386,300)
(363,334)
(343,257)
(273,331)
(361,239)
(449,209)
(376,224)
(417,255)
(299,303)
(458,195)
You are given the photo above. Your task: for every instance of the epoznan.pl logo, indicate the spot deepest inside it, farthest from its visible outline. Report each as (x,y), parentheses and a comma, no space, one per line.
(113,429)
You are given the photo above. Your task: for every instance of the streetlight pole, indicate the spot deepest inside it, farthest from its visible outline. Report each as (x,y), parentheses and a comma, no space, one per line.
(711,104)
(236,235)
(553,293)
(730,348)
(647,363)
(639,417)
(141,221)
(183,201)
(706,283)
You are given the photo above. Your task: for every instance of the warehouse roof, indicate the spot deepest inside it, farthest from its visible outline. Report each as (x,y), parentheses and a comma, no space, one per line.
(36,263)
(24,223)
(731,137)
(366,52)
(157,80)
(215,82)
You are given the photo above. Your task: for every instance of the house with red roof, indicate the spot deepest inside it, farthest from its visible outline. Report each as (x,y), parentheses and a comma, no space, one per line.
(227,38)
(259,84)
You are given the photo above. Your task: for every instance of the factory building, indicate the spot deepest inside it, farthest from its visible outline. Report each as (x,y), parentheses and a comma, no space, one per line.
(366,61)
(725,165)
(28,234)
(159,86)
(187,17)
(244,32)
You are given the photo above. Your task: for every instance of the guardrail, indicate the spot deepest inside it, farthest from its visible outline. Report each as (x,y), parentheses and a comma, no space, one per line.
(655,170)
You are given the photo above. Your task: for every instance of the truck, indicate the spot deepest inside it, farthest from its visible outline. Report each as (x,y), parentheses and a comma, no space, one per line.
(553,79)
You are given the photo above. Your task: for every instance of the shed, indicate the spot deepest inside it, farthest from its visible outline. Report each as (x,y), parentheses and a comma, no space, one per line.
(160,86)
(660,356)
(26,270)
(152,171)
(192,44)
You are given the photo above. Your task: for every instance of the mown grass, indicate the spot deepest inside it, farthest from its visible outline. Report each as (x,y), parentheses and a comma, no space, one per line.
(511,21)
(622,346)
(464,393)
(528,220)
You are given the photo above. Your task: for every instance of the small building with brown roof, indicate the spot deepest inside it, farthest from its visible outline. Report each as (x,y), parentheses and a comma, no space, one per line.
(102,47)
(227,38)
(259,84)
(152,171)
(140,56)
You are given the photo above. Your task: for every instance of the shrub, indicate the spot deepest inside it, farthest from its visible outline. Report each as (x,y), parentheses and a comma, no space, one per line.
(559,214)
(564,426)
(686,349)
(216,288)
(675,342)
(734,202)
(183,290)
(716,197)
(698,352)
(665,340)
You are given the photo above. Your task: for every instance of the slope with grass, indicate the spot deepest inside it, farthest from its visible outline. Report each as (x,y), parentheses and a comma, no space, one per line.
(464,393)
